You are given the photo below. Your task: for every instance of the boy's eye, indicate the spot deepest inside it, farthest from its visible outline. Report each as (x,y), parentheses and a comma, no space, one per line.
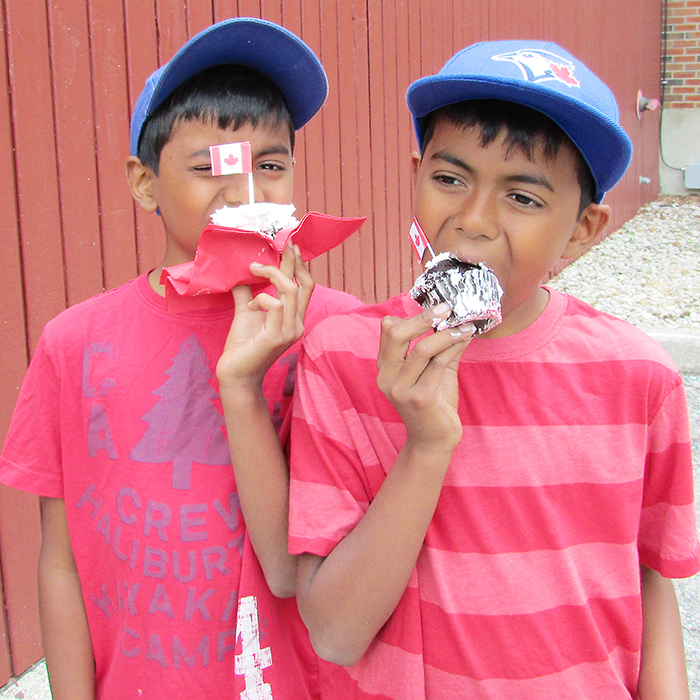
(446,179)
(203,168)
(525,200)
(271,165)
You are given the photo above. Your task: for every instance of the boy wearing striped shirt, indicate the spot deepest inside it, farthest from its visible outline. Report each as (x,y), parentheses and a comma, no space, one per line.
(498,516)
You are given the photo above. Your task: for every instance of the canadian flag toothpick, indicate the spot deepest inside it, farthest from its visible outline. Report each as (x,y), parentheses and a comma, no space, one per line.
(419,240)
(231,158)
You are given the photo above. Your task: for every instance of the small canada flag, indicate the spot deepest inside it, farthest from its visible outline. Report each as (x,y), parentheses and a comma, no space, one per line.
(231,158)
(419,239)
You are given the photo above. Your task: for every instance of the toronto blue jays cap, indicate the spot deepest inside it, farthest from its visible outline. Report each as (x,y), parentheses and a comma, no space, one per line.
(266,47)
(545,77)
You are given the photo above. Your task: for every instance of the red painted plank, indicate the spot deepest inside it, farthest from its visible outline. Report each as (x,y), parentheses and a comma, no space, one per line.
(75,134)
(367,249)
(142,51)
(20,537)
(332,120)
(112,113)
(313,137)
(223,9)
(172,28)
(13,344)
(392,161)
(36,168)
(348,140)
(271,10)
(200,14)
(249,8)
(5,665)
(404,127)
(291,20)
(377,96)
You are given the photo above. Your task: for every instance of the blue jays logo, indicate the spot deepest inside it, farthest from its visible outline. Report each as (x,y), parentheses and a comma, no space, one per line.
(538,66)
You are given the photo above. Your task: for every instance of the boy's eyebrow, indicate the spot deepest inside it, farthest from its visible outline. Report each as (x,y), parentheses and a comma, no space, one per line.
(520,177)
(276,149)
(532,180)
(452,160)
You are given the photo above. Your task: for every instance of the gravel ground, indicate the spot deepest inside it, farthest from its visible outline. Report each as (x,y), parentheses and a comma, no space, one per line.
(688,590)
(648,272)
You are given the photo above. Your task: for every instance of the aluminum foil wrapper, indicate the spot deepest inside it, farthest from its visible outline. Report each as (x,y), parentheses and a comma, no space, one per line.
(471,290)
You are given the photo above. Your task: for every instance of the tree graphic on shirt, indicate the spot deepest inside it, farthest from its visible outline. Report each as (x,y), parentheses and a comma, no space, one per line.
(184,425)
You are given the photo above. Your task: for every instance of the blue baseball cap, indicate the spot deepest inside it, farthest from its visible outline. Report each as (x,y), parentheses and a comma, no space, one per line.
(247,41)
(545,77)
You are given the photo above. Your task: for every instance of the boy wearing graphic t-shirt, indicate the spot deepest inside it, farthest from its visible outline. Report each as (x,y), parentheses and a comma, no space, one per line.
(497,516)
(149,586)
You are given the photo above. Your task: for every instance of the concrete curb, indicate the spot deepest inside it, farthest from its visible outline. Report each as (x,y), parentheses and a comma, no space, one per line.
(682,345)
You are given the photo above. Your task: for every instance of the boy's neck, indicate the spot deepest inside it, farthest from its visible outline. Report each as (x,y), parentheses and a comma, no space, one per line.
(522,316)
(154,281)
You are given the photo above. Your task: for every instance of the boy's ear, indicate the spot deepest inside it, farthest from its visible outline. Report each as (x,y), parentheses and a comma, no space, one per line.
(416,159)
(588,228)
(140,178)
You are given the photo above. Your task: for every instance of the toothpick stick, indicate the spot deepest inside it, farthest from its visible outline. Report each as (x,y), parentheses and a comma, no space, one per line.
(251,189)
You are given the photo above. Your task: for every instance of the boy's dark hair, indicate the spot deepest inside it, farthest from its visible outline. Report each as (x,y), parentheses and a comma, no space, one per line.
(525,128)
(227,96)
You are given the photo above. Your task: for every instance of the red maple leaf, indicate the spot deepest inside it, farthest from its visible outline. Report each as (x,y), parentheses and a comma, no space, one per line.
(564,74)
(230,159)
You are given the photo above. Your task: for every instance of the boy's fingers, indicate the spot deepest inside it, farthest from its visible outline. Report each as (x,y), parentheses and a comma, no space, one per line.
(429,375)
(281,320)
(277,276)
(428,359)
(242,296)
(288,261)
(397,333)
(304,280)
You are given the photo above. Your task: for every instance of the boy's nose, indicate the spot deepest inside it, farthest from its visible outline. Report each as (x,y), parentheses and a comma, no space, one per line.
(478,217)
(236,190)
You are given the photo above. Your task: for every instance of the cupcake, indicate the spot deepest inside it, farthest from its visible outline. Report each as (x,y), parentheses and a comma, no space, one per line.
(261,217)
(471,290)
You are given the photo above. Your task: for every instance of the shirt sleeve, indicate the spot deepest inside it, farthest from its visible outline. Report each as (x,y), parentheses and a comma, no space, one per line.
(668,536)
(31,456)
(334,467)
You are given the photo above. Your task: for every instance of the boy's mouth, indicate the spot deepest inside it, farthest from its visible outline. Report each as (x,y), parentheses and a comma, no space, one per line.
(469,259)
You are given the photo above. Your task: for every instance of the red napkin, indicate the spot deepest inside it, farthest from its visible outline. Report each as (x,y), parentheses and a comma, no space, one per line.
(224,255)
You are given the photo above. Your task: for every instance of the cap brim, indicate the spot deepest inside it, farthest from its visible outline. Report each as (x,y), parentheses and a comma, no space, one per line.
(603,143)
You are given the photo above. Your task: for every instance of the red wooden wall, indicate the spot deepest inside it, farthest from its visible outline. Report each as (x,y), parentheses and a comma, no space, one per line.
(72,69)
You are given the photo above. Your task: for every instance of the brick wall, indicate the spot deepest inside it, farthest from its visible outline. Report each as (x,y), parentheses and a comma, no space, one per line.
(682,71)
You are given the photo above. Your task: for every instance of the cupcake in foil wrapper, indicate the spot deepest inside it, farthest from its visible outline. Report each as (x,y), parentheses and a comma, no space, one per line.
(471,290)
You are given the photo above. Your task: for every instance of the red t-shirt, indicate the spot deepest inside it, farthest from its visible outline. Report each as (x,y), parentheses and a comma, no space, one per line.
(120,415)
(574,468)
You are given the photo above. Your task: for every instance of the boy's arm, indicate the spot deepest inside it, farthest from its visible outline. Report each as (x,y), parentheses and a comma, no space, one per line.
(346,597)
(64,628)
(263,328)
(663,673)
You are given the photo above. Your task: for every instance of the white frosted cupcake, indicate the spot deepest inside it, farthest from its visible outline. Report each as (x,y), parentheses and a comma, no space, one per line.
(471,289)
(261,217)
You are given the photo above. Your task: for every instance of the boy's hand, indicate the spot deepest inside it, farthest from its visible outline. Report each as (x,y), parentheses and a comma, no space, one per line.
(421,382)
(264,327)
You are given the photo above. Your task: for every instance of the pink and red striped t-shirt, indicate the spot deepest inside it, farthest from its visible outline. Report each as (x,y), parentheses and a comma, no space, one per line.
(574,469)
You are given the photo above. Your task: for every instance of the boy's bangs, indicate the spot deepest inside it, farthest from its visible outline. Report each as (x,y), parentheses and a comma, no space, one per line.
(525,129)
(233,111)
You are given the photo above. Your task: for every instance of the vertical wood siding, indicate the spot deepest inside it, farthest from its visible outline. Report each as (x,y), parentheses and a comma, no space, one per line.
(71,71)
